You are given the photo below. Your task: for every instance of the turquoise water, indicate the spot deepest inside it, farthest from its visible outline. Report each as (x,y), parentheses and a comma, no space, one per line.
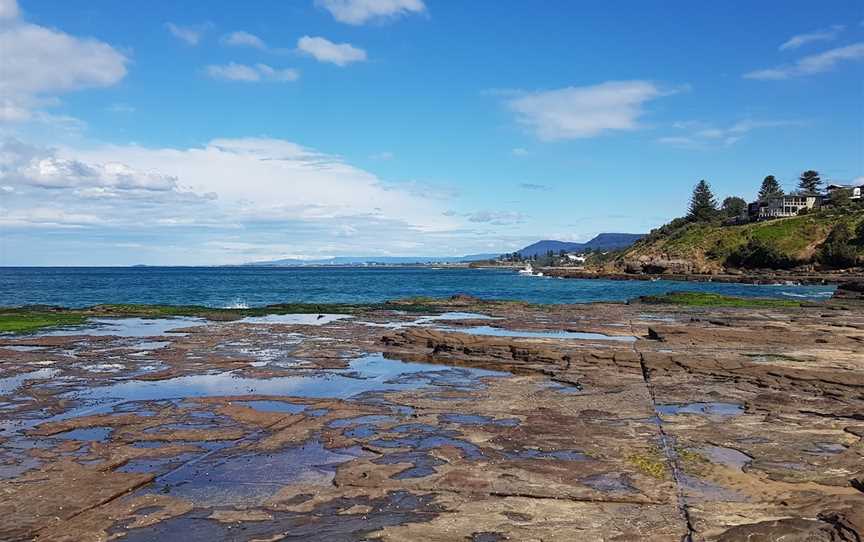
(257,286)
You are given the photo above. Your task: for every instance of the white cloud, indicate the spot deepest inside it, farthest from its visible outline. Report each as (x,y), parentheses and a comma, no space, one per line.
(358,12)
(256,180)
(8,10)
(324,50)
(519,151)
(32,171)
(812,64)
(251,74)
(47,217)
(497,218)
(191,35)
(281,197)
(60,173)
(39,63)
(827,34)
(704,135)
(385,155)
(244,39)
(578,112)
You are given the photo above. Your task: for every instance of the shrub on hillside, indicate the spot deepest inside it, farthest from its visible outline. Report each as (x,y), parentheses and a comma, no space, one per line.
(838,250)
(757,254)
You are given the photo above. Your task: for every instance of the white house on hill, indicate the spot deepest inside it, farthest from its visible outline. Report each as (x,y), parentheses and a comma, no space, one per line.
(855,190)
(789,205)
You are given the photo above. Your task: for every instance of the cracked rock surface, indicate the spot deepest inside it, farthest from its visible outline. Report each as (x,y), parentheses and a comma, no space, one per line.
(483,421)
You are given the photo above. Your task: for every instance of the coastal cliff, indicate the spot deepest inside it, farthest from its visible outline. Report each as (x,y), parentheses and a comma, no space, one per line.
(799,243)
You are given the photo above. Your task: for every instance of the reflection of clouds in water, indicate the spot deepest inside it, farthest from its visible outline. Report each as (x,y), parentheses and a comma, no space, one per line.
(423,320)
(12,383)
(295,319)
(369,373)
(128,327)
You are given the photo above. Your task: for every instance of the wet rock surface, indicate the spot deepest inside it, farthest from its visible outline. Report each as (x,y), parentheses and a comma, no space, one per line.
(481,421)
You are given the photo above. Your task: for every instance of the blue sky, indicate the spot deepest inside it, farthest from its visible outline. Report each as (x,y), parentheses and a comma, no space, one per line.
(219,132)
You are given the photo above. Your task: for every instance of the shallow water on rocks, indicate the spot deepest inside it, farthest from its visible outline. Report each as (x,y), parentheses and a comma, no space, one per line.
(126,327)
(24,348)
(426,320)
(88,433)
(561,455)
(149,345)
(274,406)
(501,332)
(729,457)
(700,490)
(702,409)
(11,383)
(295,319)
(251,478)
(474,419)
(366,374)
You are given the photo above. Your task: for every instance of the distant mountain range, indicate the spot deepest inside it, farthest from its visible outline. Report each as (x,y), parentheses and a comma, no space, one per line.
(381,260)
(604,241)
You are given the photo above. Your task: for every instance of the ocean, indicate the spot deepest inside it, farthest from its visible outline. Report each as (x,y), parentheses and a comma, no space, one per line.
(257,286)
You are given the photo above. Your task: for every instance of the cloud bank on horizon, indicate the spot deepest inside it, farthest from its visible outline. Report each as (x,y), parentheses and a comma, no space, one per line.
(366,127)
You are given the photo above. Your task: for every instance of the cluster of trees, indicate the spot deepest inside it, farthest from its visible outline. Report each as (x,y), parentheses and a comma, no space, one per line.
(704,207)
(841,247)
(809,182)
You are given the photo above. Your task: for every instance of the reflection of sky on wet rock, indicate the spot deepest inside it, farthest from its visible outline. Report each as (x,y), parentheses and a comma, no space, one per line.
(501,332)
(701,409)
(369,373)
(252,478)
(273,406)
(9,384)
(425,320)
(126,327)
(729,457)
(295,319)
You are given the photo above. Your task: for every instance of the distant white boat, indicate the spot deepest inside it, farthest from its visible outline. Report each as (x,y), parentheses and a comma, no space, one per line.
(529,271)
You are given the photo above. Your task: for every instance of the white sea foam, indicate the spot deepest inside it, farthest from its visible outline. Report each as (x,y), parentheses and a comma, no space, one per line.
(813,294)
(237,304)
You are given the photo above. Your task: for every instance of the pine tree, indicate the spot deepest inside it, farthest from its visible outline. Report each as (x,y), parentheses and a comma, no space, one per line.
(770,188)
(809,181)
(703,204)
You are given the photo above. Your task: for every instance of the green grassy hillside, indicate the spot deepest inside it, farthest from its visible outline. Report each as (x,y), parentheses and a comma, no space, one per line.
(708,246)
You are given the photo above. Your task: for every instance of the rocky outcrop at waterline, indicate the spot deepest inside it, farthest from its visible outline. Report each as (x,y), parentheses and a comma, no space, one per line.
(765,276)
